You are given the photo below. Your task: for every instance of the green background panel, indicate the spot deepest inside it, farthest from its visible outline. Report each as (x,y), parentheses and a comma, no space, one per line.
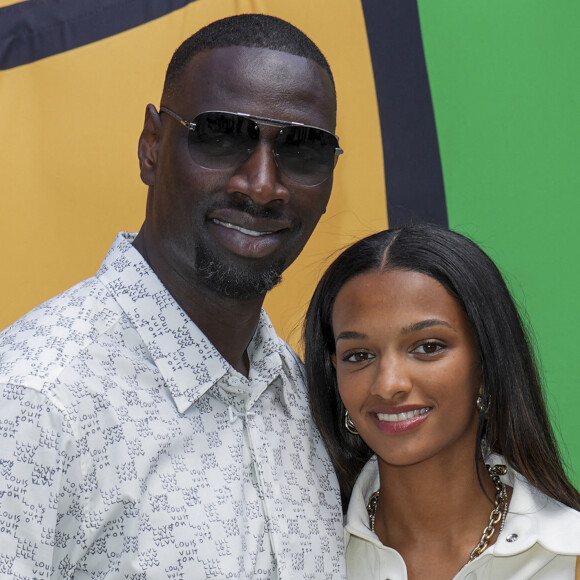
(505,84)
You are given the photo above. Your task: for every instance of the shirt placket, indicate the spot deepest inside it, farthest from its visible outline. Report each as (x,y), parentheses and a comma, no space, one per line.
(240,407)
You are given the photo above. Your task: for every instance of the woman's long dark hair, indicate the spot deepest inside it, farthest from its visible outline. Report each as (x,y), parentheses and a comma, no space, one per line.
(516,424)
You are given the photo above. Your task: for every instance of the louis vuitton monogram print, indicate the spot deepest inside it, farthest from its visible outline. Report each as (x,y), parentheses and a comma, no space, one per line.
(129,448)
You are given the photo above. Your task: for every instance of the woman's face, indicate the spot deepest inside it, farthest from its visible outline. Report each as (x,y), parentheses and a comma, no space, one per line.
(407,366)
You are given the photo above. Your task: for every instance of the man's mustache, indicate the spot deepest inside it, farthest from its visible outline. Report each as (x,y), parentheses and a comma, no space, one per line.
(251,208)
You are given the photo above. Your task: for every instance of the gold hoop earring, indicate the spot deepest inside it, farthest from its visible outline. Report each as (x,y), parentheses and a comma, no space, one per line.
(349,425)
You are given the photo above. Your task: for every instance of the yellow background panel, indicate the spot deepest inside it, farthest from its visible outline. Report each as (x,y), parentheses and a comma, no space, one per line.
(68,163)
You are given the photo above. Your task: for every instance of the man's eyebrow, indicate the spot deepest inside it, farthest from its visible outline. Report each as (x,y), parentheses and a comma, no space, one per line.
(425,324)
(350,334)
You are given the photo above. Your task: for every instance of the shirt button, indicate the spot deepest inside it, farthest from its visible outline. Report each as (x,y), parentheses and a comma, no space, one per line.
(512,538)
(234,381)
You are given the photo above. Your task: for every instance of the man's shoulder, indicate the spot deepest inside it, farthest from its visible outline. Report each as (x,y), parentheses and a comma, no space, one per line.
(289,353)
(291,360)
(42,342)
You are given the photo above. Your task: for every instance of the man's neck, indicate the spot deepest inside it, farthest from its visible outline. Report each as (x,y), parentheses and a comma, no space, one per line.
(229,323)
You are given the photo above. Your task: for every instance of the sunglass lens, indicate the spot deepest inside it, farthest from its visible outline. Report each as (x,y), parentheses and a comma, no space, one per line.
(222,140)
(306,154)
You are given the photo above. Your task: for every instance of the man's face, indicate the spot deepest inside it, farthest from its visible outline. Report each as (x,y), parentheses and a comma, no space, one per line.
(233,230)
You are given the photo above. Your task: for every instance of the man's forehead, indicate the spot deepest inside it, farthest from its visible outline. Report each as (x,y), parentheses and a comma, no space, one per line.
(256,80)
(223,64)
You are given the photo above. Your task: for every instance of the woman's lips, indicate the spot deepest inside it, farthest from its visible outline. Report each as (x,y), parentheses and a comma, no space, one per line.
(403,420)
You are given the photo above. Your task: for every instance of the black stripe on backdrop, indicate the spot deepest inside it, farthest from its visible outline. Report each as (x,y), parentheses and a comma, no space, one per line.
(36,29)
(413,174)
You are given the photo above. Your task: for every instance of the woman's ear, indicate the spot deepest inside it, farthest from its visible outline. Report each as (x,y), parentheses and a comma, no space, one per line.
(333,359)
(148,148)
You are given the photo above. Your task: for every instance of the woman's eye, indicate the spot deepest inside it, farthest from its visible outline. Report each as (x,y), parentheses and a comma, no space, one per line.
(429,348)
(357,356)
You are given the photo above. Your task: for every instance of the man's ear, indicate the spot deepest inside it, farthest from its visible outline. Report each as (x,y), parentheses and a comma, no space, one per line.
(149,142)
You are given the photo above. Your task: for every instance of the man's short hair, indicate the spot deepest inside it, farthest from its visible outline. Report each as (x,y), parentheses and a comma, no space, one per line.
(251,30)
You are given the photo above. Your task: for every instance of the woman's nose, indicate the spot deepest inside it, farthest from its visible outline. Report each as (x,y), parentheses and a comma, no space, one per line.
(392,379)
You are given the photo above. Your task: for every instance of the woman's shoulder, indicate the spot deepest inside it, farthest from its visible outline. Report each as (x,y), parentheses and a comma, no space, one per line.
(536,518)
(557,525)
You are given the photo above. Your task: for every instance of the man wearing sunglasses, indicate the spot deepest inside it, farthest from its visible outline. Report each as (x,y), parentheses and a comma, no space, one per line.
(153,424)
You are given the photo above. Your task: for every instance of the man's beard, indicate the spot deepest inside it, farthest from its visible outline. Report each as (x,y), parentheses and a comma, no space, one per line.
(233,280)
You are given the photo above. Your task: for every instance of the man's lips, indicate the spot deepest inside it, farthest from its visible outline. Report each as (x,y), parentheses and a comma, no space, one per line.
(239,228)
(247,235)
(247,223)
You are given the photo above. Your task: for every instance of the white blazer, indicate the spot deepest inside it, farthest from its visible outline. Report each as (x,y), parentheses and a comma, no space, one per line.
(540,539)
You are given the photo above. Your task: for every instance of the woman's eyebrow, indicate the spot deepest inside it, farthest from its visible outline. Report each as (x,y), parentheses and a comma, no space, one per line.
(350,334)
(415,326)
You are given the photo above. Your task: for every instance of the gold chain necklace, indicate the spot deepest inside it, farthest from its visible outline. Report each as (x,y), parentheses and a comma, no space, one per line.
(499,511)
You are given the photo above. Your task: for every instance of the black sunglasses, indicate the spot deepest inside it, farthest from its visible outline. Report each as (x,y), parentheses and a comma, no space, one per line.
(222,140)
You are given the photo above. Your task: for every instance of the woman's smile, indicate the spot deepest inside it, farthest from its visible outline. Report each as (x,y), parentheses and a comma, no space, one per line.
(403,421)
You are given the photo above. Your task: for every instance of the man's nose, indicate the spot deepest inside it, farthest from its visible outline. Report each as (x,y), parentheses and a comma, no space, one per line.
(258,177)
(392,380)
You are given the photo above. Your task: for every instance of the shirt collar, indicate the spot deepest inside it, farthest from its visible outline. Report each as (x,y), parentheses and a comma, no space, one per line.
(188,361)
(535,518)
(357,518)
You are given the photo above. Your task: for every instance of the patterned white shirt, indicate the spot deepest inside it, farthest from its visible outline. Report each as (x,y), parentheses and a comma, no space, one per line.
(129,448)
